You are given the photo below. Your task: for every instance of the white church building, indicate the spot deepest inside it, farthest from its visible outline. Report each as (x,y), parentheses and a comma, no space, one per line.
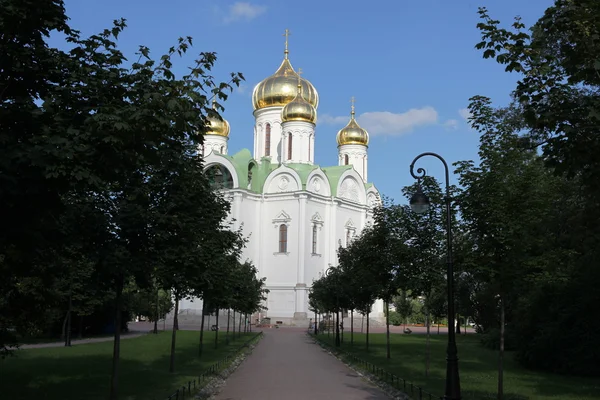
(295,213)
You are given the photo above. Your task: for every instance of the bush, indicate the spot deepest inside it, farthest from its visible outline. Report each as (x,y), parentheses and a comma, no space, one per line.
(559,328)
(395,318)
(491,339)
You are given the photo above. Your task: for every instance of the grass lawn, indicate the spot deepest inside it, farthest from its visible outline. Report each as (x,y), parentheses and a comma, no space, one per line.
(83,371)
(477,365)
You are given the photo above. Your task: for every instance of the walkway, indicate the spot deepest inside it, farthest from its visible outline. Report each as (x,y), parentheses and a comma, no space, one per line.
(74,342)
(286,364)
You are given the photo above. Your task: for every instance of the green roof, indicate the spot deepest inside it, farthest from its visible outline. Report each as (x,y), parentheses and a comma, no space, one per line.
(243,162)
(334,174)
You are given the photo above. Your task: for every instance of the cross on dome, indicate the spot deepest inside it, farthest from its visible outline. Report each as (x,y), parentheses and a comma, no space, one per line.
(287,35)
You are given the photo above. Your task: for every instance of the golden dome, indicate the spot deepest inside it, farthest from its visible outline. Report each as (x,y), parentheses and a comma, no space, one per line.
(299,109)
(280,88)
(352,133)
(216,125)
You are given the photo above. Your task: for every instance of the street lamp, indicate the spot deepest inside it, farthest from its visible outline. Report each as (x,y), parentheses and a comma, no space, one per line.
(330,272)
(419,203)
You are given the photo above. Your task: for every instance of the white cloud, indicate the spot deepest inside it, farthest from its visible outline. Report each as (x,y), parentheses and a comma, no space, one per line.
(331,120)
(387,123)
(465,113)
(243,11)
(451,124)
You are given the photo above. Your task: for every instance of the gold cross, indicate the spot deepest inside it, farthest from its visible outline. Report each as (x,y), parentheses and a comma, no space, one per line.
(287,35)
(352,100)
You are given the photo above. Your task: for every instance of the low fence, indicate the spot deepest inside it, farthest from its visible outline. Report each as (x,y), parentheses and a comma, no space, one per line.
(416,392)
(189,390)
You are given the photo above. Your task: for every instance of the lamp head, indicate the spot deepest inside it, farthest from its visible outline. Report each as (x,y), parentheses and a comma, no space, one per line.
(419,202)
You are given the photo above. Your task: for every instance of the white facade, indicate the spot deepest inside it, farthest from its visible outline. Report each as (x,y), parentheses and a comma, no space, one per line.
(355,155)
(295,213)
(214,144)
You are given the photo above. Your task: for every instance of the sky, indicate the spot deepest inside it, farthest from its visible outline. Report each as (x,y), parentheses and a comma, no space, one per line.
(410,64)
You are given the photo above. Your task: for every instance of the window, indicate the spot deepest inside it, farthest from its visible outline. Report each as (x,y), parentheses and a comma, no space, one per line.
(219,177)
(222,149)
(249,174)
(348,237)
(268,140)
(290,146)
(346,159)
(283,238)
(314,239)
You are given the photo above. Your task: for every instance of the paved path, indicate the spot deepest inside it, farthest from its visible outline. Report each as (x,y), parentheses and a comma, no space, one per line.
(74,342)
(286,364)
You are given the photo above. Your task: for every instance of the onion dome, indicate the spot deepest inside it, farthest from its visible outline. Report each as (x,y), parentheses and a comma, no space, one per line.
(299,109)
(217,125)
(352,133)
(280,88)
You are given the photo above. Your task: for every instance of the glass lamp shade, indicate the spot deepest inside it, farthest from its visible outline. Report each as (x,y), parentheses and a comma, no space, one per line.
(419,202)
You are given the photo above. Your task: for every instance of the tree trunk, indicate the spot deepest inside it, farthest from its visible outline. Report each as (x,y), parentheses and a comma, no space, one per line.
(337,329)
(227,333)
(367,341)
(174,335)
(155,331)
(240,326)
(217,331)
(201,343)
(501,353)
(81,327)
(63,334)
(438,328)
(428,352)
(342,327)
(387,329)
(114,378)
(70,317)
(233,324)
(351,327)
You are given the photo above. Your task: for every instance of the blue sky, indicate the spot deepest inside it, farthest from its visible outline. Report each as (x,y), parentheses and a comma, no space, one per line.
(411,65)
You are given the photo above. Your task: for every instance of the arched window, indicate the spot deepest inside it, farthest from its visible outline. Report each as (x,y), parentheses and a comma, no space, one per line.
(283,238)
(314,239)
(268,140)
(249,174)
(290,146)
(345,159)
(348,237)
(219,177)
(222,149)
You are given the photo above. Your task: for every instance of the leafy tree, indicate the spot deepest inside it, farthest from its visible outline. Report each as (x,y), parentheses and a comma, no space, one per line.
(557,92)
(501,206)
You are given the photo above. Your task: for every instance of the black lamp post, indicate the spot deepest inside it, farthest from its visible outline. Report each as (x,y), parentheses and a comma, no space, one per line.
(332,273)
(419,203)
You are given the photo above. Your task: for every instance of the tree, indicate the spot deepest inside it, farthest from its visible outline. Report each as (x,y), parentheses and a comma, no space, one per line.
(558,94)
(30,197)
(504,233)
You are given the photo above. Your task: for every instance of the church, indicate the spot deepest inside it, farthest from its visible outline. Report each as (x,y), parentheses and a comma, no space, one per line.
(295,213)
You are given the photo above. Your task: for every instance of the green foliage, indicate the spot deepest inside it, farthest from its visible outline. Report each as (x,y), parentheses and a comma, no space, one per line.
(536,213)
